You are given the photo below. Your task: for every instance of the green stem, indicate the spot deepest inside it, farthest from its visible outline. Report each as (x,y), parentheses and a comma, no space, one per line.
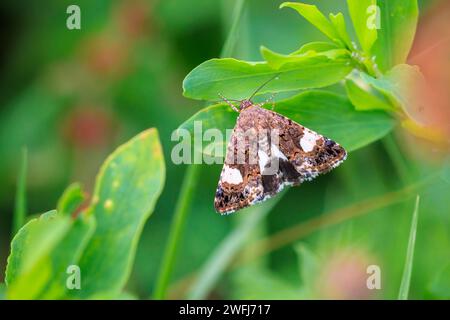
(232,34)
(189,183)
(407,271)
(220,260)
(20,209)
(181,211)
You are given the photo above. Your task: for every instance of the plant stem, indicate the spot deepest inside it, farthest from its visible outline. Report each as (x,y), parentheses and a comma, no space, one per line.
(294,233)
(230,42)
(181,211)
(223,255)
(407,271)
(189,183)
(20,209)
(397,158)
(217,263)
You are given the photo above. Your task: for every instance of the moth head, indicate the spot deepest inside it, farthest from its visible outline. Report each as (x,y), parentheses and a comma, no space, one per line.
(245,104)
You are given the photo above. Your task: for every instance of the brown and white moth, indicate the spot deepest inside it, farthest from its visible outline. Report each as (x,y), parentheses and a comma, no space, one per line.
(267,152)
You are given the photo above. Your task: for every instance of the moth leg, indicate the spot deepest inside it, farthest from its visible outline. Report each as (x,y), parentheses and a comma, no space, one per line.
(229,103)
(271,99)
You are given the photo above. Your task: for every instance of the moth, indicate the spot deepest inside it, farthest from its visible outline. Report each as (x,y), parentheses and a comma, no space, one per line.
(267,152)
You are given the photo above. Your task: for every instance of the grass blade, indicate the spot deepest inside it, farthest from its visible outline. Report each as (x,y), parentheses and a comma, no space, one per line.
(231,39)
(406,278)
(20,210)
(188,189)
(189,183)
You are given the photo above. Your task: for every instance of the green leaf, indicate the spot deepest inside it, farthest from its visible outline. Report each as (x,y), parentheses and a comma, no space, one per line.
(277,60)
(41,253)
(237,79)
(333,116)
(67,253)
(364,96)
(363,15)
(407,271)
(29,261)
(339,24)
(315,17)
(327,113)
(126,191)
(317,46)
(71,199)
(396,34)
(220,117)
(383,85)
(127,188)
(21,256)
(399,85)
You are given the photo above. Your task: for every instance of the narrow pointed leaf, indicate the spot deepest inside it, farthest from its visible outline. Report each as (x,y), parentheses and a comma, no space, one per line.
(407,271)
(315,17)
(398,22)
(364,17)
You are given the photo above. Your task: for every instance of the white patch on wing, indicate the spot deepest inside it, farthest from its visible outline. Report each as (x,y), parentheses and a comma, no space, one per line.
(231,175)
(277,152)
(308,141)
(263,160)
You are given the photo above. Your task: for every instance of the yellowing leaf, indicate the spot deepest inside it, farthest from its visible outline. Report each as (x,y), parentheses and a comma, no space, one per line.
(427,133)
(127,188)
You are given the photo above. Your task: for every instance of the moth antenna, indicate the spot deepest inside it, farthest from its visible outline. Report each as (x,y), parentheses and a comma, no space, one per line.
(263,85)
(221,100)
(229,103)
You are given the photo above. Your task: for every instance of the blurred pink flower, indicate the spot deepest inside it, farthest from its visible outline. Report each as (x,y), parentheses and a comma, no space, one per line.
(344,275)
(134,18)
(105,56)
(88,127)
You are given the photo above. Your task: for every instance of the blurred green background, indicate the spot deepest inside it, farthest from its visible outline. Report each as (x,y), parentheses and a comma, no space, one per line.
(71,96)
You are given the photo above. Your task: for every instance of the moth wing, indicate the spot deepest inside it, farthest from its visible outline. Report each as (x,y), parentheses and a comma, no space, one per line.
(246,178)
(240,180)
(309,152)
(299,154)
